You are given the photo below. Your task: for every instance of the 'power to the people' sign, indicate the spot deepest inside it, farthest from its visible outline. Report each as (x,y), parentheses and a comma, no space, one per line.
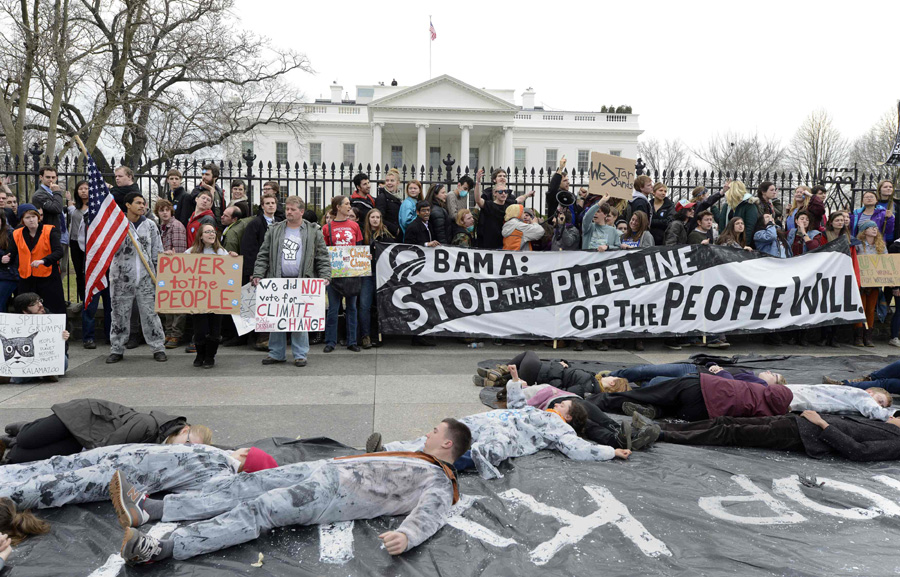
(198,283)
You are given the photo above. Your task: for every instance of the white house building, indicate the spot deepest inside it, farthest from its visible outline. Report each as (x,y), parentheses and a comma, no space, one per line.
(419,125)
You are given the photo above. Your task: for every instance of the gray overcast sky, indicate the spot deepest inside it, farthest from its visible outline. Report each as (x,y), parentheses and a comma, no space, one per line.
(689,68)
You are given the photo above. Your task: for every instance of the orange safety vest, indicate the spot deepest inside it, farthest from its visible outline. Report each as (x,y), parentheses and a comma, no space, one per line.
(27,256)
(514,241)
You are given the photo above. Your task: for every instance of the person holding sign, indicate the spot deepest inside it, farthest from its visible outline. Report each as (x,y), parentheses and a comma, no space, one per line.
(207,326)
(132,278)
(293,248)
(871,242)
(342,231)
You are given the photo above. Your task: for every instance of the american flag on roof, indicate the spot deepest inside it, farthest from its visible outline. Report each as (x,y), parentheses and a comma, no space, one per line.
(431,29)
(107,227)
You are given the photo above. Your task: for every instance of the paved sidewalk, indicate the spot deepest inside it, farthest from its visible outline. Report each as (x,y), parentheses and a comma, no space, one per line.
(398,389)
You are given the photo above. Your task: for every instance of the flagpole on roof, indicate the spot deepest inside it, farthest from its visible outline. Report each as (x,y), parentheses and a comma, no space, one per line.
(429,46)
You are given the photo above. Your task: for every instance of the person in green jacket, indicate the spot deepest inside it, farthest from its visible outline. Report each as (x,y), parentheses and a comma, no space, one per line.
(234,221)
(738,202)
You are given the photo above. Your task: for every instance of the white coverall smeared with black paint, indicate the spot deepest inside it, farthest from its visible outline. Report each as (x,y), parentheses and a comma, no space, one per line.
(85,477)
(242,507)
(130,281)
(516,431)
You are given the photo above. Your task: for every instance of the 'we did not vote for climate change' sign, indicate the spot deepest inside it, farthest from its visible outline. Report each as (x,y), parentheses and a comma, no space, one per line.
(288,305)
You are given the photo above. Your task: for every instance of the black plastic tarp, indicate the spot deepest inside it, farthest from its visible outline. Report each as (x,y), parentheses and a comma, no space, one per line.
(660,513)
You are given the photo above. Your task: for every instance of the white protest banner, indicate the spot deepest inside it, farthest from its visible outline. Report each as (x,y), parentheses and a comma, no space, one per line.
(33,345)
(612,175)
(659,291)
(350,261)
(286,305)
(246,321)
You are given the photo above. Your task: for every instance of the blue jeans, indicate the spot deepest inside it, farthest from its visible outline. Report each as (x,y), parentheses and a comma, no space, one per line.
(278,342)
(659,373)
(331,318)
(7,288)
(888,378)
(366,296)
(88,313)
(24,380)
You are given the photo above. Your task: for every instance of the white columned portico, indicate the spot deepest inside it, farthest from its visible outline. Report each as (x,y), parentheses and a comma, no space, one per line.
(421,149)
(376,146)
(464,147)
(508,154)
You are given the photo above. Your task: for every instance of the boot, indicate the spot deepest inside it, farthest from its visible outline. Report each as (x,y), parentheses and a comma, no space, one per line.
(858,337)
(867,338)
(201,352)
(209,354)
(802,340)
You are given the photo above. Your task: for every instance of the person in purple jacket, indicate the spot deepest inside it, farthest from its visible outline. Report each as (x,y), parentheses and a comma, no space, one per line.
(655,374)
(698,398)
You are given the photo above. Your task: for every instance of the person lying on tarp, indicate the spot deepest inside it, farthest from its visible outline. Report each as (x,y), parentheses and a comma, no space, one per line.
(651,374)
(887,377)
(517,431)
(851,437)
(874,402)
(557,373)
(420,485)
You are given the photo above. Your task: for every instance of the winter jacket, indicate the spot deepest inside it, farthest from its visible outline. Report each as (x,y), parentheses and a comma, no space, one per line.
(127,266)
(53,205)
(816,211)
(517,235)
(697,236)
(552,190)
(773,208)
(119,193)
(660,219)
(676,233)
(594,235)
(407,212)
(98,423)
(316,262)
(854,438)
(730,398)
(10,271)
(234,233)
(252,240)
(439,223)
(746,209)
(638,202)
(462,237)
(543,396)
(389,205)
(195,222)
(878,217)
(418,233)
(798,247)
(767,241)
(888,231)
(364,203)
(577,381)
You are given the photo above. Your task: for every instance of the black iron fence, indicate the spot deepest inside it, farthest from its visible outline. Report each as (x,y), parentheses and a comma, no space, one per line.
(317,184)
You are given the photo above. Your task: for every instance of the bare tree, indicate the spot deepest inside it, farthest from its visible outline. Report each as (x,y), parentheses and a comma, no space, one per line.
(871,149)
(732,152)
(664,158)
(817,143)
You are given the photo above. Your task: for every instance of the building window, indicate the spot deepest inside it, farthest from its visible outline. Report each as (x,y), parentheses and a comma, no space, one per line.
(434,158)
(584,160)
(520,159)
(245,146)
(349,158)
(615,153)
(551,159)
(396,155)
(315,153)
(281,154)
(314,199)
(474,161)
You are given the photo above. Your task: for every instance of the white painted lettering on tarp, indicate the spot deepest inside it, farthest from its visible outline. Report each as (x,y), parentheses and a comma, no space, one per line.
(889,481)
(715,506)
(336,542)
(575,527)
(790,488)
(471,528)
(115,562)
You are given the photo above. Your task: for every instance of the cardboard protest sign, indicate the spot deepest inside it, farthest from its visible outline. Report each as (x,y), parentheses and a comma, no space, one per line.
(33,345)
(350,261)
(198,283)
(878,270)
(611,175)
(246,321)
(286,305)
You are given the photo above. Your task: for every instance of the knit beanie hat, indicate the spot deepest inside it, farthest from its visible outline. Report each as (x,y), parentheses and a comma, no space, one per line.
(23,208)
(258,460)
(514,211)
(863,226)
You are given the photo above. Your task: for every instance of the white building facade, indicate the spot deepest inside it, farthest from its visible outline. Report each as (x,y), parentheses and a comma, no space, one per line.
(420,125)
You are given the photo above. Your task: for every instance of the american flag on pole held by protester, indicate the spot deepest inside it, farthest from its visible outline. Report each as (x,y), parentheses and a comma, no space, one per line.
(107,227)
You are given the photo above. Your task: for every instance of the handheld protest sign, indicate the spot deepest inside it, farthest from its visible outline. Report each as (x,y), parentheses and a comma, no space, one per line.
(612,175)
(198,283)
(878,270)
(347,261)
(246,321)
(33,345)
(290,305)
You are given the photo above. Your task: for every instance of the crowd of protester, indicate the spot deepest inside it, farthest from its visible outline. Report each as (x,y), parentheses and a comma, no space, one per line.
(36,239)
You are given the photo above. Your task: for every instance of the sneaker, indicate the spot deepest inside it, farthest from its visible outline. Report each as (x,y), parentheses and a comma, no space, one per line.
(373,443)
(489,374)
(718,344)
(624,435)
(367,342)
(91,345)
(644,437)
(481,381)
(639,421)
(171,343)
(160,357)
(127,501)
(646,410)
(139,548)
(894,342)
(672,344)
(114,358)
(190,348)
(299,362)
(826,380)
(272,361)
